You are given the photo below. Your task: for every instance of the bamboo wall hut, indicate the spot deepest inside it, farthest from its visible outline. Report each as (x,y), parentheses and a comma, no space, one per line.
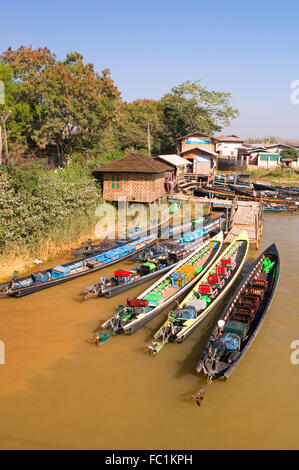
(136,177)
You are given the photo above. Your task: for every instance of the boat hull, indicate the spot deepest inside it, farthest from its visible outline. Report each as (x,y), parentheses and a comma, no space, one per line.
(38,286)
(139,322)
(175,296)
(190,325)
(225,372)
(122,288)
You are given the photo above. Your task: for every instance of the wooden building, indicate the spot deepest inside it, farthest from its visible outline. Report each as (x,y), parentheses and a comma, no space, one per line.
(200,150)
(137,178)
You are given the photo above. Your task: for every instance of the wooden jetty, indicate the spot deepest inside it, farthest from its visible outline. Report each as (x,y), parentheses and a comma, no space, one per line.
(240,215)
(246,216)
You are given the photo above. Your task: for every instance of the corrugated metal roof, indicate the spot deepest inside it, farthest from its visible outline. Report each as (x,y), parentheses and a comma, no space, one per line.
(174,159)
(197,133)
(200,149)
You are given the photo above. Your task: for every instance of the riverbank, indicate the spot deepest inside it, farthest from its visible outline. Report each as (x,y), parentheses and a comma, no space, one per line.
(44,214)
(63,240)
(277,176)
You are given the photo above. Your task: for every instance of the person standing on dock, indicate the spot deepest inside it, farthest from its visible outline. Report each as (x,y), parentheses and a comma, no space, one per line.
(171,185)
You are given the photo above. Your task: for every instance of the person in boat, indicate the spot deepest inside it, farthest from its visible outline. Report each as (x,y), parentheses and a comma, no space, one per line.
(12,282)
(254,195)
(221,324)
(37,277)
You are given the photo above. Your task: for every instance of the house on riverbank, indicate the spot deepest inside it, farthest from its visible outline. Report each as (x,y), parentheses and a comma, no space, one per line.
(178,163)
(200,151)
(228,145)
(136,178)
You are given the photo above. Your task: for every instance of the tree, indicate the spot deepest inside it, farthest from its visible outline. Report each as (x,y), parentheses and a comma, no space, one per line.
(20,68)
(77,103)
(290,153)
(5,107)
(71,104)
(26,62)
(141,121)
(189,107)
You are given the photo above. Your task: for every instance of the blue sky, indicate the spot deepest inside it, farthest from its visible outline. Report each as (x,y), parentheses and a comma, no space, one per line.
(250,49)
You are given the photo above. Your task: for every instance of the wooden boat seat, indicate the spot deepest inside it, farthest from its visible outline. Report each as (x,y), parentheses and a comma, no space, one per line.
(245,317)
(262,276)
(259,291)
(90,265)
(261,283)
(251,299)
(246,309)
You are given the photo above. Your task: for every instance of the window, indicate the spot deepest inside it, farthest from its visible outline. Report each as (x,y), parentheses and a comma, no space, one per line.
(115,182)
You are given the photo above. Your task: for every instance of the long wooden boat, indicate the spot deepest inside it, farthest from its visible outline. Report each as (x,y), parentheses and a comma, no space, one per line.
(228,194)
(19,287)
(153,267)
(241,191)
(123,280)
(101,247)
(188,225)
(276,208)
(155,224)
(242,319)
(147,305)
(133,232)
(207,293)
(209,229)
(263,187)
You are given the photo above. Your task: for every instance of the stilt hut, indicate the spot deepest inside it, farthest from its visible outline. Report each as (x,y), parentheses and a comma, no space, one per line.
(136,177)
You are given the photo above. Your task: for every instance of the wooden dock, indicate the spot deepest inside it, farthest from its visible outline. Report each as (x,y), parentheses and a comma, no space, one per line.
(240,215)
(249,218)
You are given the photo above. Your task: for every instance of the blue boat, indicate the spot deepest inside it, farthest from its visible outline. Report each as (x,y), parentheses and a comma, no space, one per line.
(40,280)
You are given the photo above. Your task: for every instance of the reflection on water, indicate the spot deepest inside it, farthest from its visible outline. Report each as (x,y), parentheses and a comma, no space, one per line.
(58,391)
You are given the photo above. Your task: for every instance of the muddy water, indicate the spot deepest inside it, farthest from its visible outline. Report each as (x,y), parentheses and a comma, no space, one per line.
(59,391)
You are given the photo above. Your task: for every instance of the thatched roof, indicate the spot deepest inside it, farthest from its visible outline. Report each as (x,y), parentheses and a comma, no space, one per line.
(134,163)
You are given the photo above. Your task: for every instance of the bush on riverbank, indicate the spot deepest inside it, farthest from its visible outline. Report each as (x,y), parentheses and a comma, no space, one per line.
(278,175)
(41,213)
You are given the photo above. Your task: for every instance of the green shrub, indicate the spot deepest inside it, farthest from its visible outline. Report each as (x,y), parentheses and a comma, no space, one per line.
(34,202)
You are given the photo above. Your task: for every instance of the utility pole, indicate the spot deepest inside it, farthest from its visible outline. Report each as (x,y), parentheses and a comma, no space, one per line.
(149,138)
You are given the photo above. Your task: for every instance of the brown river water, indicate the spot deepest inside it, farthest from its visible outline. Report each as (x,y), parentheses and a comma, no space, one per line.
(58,391)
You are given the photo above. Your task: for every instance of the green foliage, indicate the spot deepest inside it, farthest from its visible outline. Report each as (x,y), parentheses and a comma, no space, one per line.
(189,107)
(32,202)
(290,153)
(65,104)
(69,106)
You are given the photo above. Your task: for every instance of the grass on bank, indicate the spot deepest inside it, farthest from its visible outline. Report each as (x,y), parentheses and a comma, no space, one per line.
(277,175)
(63,240)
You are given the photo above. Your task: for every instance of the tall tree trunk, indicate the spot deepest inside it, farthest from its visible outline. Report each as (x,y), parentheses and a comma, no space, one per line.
(4,116)
(59,160)
(5,139)
(0,145)
(149,139)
